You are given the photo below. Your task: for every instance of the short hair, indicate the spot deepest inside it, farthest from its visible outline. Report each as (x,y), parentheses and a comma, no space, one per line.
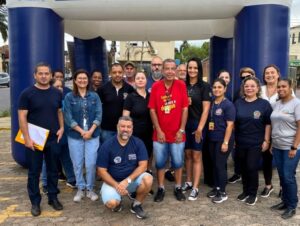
(289,81)
(247,70)
(41,64)
(57,70)
(273,66)
(96,70)
(220,80)
(125,118)
(168,61)
(140,71)
(256,80)
(116,65)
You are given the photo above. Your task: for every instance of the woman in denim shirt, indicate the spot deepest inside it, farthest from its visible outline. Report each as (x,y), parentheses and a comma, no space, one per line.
(83,113)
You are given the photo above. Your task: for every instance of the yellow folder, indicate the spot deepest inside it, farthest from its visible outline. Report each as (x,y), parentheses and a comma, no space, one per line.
(38,134)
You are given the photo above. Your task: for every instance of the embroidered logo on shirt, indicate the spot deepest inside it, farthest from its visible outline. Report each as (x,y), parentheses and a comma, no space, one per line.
(125,95)
(219,111)
(256,114)
(117,159)
(132,157)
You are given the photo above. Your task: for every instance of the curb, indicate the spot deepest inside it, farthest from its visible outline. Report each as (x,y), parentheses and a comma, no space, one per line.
(5,129)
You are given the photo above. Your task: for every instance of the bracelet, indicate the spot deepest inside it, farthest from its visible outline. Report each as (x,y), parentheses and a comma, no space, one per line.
(225,142)
(182,131)
(267,141)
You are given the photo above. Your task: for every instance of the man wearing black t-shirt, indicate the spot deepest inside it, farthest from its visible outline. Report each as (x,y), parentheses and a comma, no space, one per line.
(41,105)
(112,96)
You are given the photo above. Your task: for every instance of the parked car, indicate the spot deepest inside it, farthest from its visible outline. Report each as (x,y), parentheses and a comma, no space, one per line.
(4,79)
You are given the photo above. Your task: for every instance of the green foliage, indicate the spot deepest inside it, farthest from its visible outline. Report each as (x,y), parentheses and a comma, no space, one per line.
(188,51)
(5,113)
(3,22)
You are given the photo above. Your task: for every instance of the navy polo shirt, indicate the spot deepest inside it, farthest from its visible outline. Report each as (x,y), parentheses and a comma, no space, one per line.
(120,161)
(251,120)
(219,114)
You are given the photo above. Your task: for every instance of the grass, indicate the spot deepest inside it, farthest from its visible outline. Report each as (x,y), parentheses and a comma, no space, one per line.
(5,113)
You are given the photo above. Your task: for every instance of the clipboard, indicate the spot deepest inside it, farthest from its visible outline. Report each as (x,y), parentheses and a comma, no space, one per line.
(38,134)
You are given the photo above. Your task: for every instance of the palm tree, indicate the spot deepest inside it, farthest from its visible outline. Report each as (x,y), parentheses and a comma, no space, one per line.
(3,22)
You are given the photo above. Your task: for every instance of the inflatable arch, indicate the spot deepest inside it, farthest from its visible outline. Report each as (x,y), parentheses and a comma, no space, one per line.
(242,32)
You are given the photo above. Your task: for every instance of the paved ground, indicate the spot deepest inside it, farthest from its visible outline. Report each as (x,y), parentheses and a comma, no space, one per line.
(15,206)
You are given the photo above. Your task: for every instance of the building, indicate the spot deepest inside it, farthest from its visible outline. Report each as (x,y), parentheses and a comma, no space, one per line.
(294,56)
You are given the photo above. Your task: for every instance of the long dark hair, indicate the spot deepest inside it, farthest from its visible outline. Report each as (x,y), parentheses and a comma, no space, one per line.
(200,70)
(273,66)
(75,88)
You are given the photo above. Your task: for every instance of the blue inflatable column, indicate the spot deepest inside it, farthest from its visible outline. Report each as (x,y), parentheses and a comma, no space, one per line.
(35,35)
(90,55)
(221,58)
(261,37)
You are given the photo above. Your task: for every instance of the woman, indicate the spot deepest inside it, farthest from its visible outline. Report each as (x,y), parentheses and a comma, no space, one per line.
(96,80)
(252,135)
(136,106)
(271,76)
(220,125)
(83,113)
(285,120)
(199,104)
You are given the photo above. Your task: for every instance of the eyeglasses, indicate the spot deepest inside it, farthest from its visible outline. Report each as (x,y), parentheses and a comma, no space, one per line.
(156,65)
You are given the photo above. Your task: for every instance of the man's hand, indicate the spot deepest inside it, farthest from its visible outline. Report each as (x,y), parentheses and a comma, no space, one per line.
(161,137)
(122,187)
(178,138)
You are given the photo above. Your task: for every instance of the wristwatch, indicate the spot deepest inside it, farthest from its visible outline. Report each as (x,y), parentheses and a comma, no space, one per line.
(225,142)
(182,131)
(293,148)
(128,180)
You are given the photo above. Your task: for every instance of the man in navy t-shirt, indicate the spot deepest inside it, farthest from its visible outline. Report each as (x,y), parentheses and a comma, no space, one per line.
(122,162)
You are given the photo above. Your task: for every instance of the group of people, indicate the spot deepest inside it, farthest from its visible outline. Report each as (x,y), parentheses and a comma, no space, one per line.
(171,116)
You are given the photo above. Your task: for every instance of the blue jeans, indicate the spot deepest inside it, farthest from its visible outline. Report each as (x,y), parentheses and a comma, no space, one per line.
(162,152)
(106,134)
(65,161)
(84,152)
(35,162)
(286,168)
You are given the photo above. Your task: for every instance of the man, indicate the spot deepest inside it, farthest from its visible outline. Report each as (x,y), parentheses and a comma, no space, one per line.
(168,109)
(41,105)
(112,95)
(156,75)
(129,71)
(181,72)
(122,162)
(96,80)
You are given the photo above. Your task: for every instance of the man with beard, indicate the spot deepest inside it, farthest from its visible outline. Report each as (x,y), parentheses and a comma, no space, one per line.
(122,162)
(129,72)
(156,75)
(112,95)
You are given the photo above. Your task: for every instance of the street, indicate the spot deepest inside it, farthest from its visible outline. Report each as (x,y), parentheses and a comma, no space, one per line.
(4,98)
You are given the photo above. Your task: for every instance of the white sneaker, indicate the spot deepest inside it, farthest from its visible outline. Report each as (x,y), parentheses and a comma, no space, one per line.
(79,195)
(91,195)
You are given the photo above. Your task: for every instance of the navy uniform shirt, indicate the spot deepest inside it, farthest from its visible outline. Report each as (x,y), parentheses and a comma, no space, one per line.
(112,104)
(120,161)
(251,120)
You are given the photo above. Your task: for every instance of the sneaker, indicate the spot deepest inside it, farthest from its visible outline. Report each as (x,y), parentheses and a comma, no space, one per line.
(151,192)
(179,194)
(193,195)
(266,192)
(186,187)
(212,193)
(160,194)
(169,175)
(45,190)
(242,197)
(220,197)
(235,178)
(71,184)
(251,200)
(91,195)
(138,211)
(118,208)
(79,195)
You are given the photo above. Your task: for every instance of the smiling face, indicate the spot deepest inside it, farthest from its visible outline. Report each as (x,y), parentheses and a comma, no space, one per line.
(271,75)
(169,71)
(251,88)
(124,129)
(218,89)
(284,89)
(116,74)
(140,80)
(96,79)
(82,80)
(192,69)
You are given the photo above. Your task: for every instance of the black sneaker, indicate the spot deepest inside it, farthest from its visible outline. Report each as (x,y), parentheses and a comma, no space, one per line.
(279,206)
(242,197)
(55,204)
(220,197)
(251,200)
(186,187)
(266,192)
(138,211)
(160,194)
(179,194)
(71,184)
(288,213)
(235,178)
(45,190)
(169,175)
(118,208)
(35,210)
(212,193)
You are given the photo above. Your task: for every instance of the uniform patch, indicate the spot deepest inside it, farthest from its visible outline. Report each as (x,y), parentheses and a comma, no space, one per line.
(117,159)
(219,111)
(132,157)
(256,114)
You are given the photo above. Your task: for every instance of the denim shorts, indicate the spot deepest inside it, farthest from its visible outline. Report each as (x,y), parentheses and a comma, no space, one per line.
(162,152)
(190,142)
(108,192)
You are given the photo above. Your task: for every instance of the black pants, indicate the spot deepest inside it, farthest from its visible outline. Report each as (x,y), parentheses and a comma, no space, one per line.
(219,160)
(207,164)
(249,157)
(35,162)
(236,161)
(267,166)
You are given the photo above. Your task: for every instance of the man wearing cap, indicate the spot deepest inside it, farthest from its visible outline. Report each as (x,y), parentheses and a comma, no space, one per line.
(129,71)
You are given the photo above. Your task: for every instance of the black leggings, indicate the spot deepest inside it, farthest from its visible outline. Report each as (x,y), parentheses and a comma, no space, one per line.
(267,166)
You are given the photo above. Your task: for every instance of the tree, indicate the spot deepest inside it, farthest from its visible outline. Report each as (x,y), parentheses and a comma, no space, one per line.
(3,22)
(188,51)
